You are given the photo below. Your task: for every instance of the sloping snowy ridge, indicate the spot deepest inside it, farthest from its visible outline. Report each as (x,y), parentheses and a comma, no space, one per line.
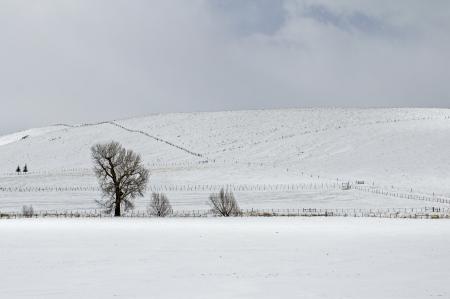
(275,157)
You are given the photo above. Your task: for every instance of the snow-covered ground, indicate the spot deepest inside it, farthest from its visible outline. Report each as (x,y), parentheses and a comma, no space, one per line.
(188,201)
(395,150)
(225,258)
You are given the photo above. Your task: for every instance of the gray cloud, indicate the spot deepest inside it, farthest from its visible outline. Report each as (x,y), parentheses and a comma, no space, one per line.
(75,61)
(355,20)
(247,17)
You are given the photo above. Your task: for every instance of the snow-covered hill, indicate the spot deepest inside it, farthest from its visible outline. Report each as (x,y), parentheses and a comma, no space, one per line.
(392,149)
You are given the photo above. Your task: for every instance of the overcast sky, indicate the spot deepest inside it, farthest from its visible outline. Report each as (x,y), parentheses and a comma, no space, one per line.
(90,60)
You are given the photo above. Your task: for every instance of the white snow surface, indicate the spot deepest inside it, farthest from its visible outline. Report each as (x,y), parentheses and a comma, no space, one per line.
(400,150)
(15,137)
(225,258)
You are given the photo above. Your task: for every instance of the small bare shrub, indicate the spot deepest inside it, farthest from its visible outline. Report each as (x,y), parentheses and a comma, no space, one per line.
(159,205)
(224,203)
(27,211)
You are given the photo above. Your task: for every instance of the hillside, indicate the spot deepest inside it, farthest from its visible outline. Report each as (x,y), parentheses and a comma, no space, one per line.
(402,150)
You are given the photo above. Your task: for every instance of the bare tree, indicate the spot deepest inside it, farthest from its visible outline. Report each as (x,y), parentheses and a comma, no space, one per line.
(159,205)
(224,203)
(27,211)
(121,175)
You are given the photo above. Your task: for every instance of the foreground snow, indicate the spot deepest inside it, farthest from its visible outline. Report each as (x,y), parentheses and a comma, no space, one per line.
(225,258)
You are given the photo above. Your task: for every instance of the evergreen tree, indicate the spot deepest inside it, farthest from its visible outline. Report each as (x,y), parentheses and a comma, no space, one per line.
(25,168)
(18,170)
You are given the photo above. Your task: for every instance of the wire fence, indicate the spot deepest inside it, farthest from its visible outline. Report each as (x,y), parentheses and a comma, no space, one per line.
(404,195)
(239,188)
(414,213)
(184,188)
(85,171)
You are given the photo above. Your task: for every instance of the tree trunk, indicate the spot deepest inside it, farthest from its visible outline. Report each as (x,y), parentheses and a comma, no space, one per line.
(117,210)
(117,206)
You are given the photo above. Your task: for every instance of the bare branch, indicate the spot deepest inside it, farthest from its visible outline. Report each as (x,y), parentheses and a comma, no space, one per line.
(224,203)
(159,205)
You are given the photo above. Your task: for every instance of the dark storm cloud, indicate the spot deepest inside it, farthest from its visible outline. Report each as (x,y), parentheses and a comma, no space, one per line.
(88,60)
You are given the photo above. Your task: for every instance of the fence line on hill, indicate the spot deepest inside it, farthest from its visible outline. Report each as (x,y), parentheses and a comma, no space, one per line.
(398,194)
(415,213)
(185,188)
(237,188)
(213,188)
(114,123)
(76,171)
(159,139)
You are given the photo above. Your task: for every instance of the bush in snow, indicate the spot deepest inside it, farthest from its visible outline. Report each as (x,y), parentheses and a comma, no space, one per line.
(224,203)
(27,211)
(159,205)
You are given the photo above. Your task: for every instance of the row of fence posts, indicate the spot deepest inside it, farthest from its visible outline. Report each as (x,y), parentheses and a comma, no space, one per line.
(403,195)
(426,212)
(187,188)
(235,188)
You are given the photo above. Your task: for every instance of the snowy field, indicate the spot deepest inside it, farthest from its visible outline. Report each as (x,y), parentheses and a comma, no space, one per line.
(225,258)
(188,201)
(390,150)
